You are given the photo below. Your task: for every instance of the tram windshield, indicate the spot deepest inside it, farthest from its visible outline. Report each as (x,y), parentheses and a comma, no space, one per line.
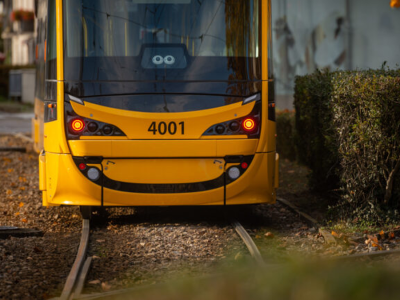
(162,39)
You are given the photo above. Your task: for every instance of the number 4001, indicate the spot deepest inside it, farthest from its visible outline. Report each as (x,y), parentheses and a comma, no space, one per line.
(163,128)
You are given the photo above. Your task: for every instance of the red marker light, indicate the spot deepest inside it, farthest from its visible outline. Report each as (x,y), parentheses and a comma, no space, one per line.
(82,166)
(248,124)
(77,125)
(244,165)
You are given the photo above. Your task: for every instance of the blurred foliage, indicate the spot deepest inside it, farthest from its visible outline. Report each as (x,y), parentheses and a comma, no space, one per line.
(348,134)
(395,3)
(285,129)
(296,281)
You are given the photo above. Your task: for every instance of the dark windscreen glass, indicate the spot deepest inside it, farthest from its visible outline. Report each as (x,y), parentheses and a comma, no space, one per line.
(162,40)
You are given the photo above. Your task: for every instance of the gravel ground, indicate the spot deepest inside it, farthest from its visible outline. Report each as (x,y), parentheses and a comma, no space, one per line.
(134,247)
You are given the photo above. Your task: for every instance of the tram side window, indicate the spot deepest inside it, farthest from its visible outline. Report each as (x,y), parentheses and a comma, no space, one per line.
(51,42)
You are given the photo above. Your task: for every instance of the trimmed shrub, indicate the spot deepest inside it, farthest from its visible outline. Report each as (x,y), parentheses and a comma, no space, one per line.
(366,110)
(285,129)
(348,134)
(315,147)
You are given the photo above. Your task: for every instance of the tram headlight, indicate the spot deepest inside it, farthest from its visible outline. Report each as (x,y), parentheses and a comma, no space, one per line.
(249,124)
(93,174)
(234,173)
(77,125)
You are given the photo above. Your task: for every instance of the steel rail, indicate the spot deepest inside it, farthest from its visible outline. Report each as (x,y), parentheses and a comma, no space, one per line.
(251,246)
(294,208)
(73,276)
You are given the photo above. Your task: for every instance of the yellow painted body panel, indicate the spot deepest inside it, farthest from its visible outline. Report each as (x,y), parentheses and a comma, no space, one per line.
(42,172)
(65,185)
(256,185)
(117,198)
(136,124)
(37,125)
(162,148)
(162,171)
(267,127)
(276,171)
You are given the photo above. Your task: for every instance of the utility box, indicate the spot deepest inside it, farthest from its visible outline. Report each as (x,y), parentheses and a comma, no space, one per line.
(22,85)
(15,84)
(28,85)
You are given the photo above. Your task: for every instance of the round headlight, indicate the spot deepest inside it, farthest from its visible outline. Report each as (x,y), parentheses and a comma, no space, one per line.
(93,174)
(220,129)
(234,173)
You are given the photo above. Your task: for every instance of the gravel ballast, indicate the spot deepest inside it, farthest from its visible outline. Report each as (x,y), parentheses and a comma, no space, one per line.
(139,246)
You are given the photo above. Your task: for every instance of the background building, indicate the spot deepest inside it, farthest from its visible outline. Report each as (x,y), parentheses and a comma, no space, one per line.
(340,34)
(18,32)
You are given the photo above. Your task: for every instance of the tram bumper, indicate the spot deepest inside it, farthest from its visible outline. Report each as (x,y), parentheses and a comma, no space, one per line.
(159,181)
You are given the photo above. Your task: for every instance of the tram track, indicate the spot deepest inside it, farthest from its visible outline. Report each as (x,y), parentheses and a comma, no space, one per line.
(248,241)
(77,276)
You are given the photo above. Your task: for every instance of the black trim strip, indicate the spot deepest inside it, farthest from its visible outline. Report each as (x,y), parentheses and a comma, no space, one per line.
(148,188)
(164,188)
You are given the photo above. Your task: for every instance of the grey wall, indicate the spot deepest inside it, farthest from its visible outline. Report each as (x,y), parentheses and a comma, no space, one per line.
(341,34)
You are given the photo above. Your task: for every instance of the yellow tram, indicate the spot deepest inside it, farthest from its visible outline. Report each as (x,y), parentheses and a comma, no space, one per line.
(155,102)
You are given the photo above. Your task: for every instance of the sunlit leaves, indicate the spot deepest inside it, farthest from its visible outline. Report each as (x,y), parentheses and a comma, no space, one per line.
(395,3)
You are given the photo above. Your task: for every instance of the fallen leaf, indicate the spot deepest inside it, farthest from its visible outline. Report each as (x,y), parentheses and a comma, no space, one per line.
(382,234)
(94,281)
(391,235)
(24,220)
(6,159)
(9,192)
(373,239)
(22,179)
(10,170)
(17,214)
(21,204)
(22,188)
(269,235)
(335,234)
(377,246)
(105,286)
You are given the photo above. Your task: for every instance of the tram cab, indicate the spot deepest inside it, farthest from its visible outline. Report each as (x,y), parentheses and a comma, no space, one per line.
(155,102)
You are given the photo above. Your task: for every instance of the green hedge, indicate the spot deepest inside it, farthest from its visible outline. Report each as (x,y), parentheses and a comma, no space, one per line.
(314,144)
(4,77)
(348,133)
(285,129)
(366,110)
